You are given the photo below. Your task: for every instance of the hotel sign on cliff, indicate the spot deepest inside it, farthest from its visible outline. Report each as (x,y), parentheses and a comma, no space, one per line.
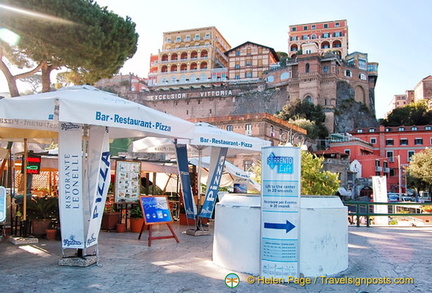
(185,95)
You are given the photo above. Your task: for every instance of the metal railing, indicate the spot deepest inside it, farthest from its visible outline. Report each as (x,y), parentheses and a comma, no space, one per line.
(365,209)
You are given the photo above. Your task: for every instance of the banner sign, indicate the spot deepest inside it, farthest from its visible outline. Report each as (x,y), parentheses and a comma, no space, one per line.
(70,182)
(379,186)
(183,168)
(280,208)
(217,165)
(155,209)
(99,177)
(2,204)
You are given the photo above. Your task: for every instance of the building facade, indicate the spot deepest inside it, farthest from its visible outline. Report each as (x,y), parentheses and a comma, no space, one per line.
(316,78)
(327,36)
(384,151)
(189,57)
(423,90)
(248,61)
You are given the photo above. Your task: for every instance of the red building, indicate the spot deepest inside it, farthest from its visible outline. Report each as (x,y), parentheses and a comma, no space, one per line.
(383,151)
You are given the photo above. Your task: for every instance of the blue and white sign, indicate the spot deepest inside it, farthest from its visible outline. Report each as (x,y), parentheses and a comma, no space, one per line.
(280,207)
(2,204)
(216,169)
(183,167)
(155,209)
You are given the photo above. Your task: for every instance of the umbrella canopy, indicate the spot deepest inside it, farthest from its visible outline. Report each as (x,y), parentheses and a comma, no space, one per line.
(38,115)
(205,135)
(228,177)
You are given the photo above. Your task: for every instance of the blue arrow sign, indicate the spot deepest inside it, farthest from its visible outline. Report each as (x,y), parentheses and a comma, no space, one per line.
(288,226)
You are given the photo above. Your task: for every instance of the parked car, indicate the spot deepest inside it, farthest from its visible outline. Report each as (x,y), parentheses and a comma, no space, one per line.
(407,198)
(392,197)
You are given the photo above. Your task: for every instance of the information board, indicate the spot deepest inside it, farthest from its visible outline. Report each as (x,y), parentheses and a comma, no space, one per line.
(2,204)
(280,207)
(155,209)
(128,181)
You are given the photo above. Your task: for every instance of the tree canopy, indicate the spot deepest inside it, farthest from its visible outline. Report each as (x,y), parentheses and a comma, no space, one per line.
(412,114)
(88,40)
(299,111)
(421,166)
(314,179)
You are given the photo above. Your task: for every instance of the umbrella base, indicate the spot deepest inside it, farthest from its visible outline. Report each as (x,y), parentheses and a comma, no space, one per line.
(194,232)
(78,261)
(23,240)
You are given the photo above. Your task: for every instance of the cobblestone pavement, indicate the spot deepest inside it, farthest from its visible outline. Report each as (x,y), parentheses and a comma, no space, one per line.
(384,256)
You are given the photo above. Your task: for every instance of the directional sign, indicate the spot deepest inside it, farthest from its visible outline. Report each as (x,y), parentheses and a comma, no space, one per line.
(287,226)
(280,206)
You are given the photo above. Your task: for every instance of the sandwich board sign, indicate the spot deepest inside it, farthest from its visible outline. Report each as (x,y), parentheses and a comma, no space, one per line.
(156,211)
(280,207)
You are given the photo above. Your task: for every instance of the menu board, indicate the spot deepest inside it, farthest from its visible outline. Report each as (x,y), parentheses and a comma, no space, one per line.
(155,209)
(128,181)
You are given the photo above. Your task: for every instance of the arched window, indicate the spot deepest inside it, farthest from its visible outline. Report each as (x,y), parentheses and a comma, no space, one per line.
(183,67)
(270,78)
(204,54)
(174,57)
(308,99)
(307,67)
(193,66)
(164,57)
(325,45)
(173,68)
(183,56)
(203,65)
(194,55)
(285,75)
(164,68)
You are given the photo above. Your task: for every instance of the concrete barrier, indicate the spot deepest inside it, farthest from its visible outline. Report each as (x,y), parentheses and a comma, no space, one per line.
(323,235)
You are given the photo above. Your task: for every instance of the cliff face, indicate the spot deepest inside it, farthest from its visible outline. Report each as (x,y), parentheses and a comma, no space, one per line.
(267,101)
(350,114)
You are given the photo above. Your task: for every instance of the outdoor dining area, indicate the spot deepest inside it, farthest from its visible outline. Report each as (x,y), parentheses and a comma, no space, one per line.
(56,164)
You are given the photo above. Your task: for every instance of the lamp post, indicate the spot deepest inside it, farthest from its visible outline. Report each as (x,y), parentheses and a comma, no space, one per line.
(399,175)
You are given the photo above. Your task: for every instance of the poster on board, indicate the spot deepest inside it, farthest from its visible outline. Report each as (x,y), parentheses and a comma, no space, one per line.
(155,209)
(2,204)
(128,181)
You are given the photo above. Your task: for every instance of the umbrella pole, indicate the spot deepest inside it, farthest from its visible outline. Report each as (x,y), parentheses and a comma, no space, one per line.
(24,217)
(198,219)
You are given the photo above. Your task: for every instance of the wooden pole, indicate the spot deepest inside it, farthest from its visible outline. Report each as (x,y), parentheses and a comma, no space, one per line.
(24,168)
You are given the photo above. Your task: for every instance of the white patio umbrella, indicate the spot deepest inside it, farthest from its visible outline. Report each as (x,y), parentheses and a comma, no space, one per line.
(74,114)
(231,173)
(37,116)
(205,137)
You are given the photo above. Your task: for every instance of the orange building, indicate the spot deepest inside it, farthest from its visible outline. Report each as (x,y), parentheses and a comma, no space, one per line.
(384,151)
(327,36)
(191,56)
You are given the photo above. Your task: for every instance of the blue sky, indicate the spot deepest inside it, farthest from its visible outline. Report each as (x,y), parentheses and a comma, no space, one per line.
(396,34)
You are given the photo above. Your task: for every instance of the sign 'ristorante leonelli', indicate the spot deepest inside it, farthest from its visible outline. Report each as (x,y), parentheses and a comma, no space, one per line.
(183,95)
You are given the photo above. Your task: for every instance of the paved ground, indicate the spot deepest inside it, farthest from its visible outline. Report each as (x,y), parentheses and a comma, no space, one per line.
(382,254)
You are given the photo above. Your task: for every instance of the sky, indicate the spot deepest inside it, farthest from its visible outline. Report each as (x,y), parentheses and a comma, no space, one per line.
(397,34)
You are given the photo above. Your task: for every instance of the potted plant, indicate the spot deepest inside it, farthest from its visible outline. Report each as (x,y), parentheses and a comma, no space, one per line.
(136,219)
(41,211)
(51,231)
(110,218)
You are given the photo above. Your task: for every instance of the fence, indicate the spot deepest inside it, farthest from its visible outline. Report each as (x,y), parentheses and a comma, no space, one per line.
(396,209)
